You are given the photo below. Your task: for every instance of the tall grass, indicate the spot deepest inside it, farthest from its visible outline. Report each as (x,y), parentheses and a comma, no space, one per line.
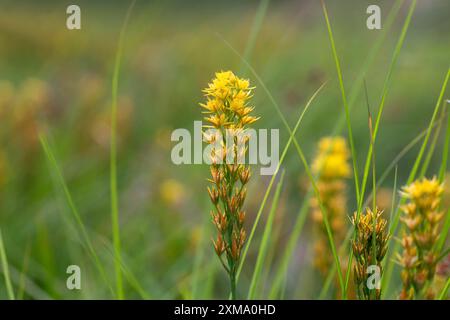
(303,211)
(113,164)
(360,192)
(344,101)
(412,175)
(262,252)
(283,154)
(274,250)
(304,162)
(53,164)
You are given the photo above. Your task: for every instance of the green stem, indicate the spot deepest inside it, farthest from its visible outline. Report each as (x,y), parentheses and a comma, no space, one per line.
(233,283)
(113,163)
(4,261)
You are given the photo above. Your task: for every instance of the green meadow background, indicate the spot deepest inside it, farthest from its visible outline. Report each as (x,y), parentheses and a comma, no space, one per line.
(55,131)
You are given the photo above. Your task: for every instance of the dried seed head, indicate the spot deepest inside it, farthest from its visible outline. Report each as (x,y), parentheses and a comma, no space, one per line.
(241,218)
(216,175)
(214,195)
(219,245)
(235,249)
(368,225)
(244,175)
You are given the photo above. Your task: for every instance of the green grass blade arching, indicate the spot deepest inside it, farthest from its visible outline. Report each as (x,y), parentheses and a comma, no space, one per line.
(290,247)
(262,252)
(338,126)
(84,234)
(427,136)
(113,164)
(385,91)
(344,100)
(374,51)
(444,160)
(256,27)
(390,263)
(305,164)
(301,217)
(386,87)
(266,195)
(383,177)
(431,149)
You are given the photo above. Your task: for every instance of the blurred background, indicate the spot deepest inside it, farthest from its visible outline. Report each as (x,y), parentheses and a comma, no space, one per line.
(58,81)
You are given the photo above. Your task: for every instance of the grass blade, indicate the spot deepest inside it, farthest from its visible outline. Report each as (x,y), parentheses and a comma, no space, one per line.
(262,252)
(443,294)
(256,27)
(444,160)
(444,233)
(5,267)
(84,234)
(394,196)
(113,179)
(305,164)
(344,100)
(432,147)
(390,262)
(380,181)
(301,217)
(386,87)
(302,158)
(266,195)
(290,246)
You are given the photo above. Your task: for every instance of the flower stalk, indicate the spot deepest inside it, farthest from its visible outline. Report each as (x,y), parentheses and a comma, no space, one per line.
(227,111)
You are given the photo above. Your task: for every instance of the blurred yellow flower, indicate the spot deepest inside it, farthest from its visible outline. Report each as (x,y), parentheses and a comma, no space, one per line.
(332,159)
(172,192)
(332,168)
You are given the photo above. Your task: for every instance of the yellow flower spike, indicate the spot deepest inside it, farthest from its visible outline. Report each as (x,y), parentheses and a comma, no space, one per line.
(227,97)
(332,168)
(422,219)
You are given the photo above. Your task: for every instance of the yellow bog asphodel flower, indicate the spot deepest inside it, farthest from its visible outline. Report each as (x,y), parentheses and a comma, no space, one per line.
(422,216)
(227,108)
(332,159)
(227,102)
(332,168)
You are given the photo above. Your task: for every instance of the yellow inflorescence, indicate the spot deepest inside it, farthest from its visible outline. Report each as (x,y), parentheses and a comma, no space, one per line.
(227,97)
(332,168)
(227,108)
(422,217)
(332,160)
